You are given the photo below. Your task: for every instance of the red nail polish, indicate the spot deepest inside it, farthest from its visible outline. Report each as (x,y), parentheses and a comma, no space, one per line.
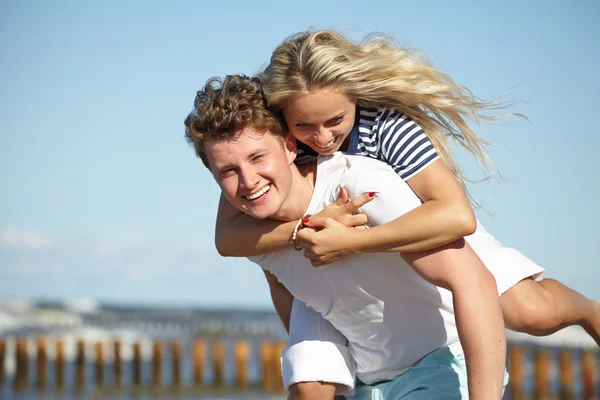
(305,220)
(371,194)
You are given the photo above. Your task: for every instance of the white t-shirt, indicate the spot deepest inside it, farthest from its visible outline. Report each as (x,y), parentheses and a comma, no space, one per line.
(389,315)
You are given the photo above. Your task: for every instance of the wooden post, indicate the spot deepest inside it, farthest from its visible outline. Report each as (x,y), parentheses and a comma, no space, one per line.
(41,362)
(218,352)
(156,363)
(137,364)
(542,374)
(566,374)
(99,364)
(587,374)
(516,360)
(22,367)
(2,356)
(198,351)
(80,364)
(241,354)
(117,364)
(176,363)
(60,364)
(279,347)
(266,348)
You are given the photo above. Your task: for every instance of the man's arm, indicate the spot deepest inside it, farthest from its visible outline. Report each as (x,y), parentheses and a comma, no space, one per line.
(282,299)
(455,267)
(316,361)
(479,321)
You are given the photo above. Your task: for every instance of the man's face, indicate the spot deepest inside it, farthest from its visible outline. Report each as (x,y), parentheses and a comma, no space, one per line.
(253,170)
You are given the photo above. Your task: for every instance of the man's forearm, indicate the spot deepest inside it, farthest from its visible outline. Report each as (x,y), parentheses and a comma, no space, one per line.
(477,311)
(481,331)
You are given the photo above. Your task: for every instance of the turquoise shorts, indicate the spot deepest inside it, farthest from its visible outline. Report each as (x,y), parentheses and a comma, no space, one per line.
(440,375)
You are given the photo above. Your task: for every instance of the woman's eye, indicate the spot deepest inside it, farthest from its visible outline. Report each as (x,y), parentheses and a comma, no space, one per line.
(302,126)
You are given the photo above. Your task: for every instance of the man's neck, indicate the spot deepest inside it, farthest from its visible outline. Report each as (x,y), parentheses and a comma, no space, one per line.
(298,200)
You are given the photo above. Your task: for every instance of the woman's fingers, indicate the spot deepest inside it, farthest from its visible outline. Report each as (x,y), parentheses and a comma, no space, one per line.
(358,220)
(353,205)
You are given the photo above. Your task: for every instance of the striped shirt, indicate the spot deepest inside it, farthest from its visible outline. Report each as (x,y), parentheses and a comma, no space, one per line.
(387,135)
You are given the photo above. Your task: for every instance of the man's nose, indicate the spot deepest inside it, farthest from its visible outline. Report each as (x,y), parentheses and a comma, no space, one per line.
(249,178)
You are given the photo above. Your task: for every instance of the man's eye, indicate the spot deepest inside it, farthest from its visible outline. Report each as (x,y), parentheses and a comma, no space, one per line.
(227,172)
(258,157)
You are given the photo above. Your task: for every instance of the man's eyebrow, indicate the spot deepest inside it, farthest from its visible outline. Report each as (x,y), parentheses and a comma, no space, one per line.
(225,167)
(256,152)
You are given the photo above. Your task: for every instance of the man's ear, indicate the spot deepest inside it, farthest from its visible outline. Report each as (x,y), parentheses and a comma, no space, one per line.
(290,147)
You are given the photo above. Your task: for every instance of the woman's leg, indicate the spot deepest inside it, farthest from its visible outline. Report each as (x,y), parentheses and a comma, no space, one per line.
(542,308)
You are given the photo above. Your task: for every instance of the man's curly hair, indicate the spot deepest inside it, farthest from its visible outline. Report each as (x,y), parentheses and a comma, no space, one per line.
(224,108)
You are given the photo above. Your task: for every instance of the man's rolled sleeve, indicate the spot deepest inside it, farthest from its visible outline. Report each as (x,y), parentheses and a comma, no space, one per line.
(316,352)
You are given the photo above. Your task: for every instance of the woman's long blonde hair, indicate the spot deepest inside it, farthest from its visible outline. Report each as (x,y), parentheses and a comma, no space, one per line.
(380,72)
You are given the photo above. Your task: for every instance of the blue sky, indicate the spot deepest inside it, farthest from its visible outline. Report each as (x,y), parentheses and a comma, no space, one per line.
(101,196)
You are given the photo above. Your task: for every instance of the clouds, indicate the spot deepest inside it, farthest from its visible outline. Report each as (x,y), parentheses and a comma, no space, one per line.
(12,236)
(130,267)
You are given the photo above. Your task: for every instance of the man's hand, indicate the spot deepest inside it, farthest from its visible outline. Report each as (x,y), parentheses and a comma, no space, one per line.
(328,235)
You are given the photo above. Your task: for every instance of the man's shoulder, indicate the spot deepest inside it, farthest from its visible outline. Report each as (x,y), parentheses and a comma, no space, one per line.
(355,172)
(352,163)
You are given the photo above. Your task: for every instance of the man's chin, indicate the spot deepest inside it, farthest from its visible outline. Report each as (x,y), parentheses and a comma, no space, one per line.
(257,214)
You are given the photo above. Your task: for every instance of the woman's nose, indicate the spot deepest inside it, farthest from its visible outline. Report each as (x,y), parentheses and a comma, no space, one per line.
(323,136)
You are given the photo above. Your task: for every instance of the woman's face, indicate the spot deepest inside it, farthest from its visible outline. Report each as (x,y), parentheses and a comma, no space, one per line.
(322,118)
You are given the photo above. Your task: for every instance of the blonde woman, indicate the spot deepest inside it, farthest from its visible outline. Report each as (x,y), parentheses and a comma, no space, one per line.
(379,99)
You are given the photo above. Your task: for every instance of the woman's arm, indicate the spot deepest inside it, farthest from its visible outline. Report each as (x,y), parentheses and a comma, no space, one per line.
(445,216)
(239,235)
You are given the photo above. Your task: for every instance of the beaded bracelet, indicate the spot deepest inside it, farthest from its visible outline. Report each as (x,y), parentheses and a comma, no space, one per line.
(299,226)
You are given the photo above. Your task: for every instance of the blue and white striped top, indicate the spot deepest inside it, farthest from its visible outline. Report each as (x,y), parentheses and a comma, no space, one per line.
(387,135)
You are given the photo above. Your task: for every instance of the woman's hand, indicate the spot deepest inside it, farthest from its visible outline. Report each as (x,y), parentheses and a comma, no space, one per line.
(343,211)
(328,235)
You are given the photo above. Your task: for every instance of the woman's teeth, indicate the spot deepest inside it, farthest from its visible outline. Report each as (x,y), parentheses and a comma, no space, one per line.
(259,193)
(327,145)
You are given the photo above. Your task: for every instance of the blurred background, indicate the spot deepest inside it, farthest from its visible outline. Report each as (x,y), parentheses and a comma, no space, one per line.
(107,217)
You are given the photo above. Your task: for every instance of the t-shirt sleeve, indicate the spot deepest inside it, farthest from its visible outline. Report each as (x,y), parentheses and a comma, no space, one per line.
(404,145)
(316,351)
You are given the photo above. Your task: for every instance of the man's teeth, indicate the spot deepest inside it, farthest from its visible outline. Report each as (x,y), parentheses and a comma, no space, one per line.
(327,145)
(259,193)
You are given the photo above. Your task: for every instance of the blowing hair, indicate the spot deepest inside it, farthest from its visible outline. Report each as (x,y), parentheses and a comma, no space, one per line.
(380,72)
(224,108)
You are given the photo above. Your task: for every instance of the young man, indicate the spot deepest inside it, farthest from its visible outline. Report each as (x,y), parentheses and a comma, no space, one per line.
(402,317)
